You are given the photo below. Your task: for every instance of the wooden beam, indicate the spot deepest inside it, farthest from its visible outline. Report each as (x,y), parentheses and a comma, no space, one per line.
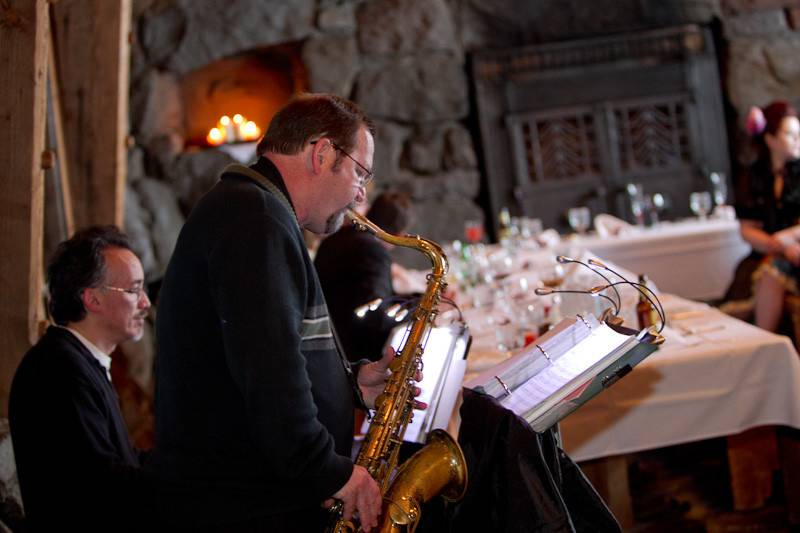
(92,54)
(24,42)
(56,116)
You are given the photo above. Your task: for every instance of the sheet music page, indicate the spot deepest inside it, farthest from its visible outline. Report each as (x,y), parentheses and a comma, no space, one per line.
(437,358)
(531,360)
(577,360)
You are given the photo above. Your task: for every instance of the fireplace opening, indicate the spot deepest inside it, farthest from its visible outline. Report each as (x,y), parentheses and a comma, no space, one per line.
(238,95)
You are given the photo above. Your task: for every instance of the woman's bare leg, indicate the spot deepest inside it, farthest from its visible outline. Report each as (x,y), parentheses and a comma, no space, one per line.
(769,302)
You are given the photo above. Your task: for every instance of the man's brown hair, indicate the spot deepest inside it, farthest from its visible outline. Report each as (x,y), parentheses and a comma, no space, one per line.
(308,117)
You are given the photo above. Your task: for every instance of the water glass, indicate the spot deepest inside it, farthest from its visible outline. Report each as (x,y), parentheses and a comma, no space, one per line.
(579,219)
(720,186)
(700,203)
(636,195)
(552,275)
(531,227)
(659,203)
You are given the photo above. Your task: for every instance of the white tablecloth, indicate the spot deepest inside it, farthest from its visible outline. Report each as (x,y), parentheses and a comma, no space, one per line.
(714,376)
(693,259)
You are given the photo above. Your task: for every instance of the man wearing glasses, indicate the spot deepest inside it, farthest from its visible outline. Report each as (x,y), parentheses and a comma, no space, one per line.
(254,404)
(75,461)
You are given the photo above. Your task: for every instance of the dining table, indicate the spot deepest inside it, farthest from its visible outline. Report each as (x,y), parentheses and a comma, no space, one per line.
(694,258)
(714,375)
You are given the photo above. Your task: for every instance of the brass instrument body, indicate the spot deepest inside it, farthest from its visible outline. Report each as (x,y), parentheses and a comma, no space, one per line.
(439,467)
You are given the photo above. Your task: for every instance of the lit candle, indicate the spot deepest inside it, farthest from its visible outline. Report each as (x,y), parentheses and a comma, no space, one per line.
(215,137)
(238,120)
(228,127)
(250,131)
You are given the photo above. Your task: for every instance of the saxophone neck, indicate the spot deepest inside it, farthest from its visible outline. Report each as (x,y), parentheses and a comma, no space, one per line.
(432,250)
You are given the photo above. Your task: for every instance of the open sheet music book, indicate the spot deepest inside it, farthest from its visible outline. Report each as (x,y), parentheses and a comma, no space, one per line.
(567,366)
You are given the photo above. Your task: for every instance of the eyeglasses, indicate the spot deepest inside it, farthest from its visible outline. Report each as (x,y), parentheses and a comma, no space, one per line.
(368,174)
(138,292)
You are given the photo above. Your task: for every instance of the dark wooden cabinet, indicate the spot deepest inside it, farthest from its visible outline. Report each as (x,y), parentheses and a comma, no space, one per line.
(571,123)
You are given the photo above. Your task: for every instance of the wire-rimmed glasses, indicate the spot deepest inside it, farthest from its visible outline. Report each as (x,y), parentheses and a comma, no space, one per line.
(368,174)
(135,291)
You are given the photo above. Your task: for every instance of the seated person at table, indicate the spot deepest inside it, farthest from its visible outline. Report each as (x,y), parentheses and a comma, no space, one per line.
(768,201)
(354,268)
(76,465)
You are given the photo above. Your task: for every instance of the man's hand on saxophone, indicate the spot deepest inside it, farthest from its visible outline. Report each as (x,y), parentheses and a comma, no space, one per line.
(372,379)
(360,496)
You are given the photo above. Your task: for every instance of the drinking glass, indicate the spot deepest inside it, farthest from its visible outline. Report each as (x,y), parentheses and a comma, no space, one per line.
(532,227)
(552,274)
(659,203)
(720,187)
(636,194)
(473,231)
(579,219)
(529,231)
(700,203)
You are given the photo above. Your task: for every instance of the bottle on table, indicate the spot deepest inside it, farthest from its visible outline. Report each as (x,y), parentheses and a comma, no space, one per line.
(645,311)
(504,226)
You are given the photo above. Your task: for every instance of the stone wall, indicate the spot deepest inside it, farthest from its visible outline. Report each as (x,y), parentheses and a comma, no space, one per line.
(406,63)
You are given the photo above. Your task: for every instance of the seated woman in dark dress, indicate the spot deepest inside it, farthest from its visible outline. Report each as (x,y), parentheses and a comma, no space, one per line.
(768,201)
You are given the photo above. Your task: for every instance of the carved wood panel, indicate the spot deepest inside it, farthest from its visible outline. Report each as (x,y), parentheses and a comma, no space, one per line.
(571,123)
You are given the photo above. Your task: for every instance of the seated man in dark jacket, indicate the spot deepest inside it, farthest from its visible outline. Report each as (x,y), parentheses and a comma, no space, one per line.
(76,465)
(355,268)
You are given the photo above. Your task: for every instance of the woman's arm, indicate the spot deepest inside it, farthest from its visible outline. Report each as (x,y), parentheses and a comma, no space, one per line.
(765,243)
(759,239)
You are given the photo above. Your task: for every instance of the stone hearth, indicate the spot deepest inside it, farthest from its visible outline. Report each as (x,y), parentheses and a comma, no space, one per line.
(406,63)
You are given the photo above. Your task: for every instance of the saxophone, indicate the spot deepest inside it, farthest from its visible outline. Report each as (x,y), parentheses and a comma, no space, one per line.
(439,467)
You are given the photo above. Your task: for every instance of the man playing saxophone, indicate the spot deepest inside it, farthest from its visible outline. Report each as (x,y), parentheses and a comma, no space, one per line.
(254,404)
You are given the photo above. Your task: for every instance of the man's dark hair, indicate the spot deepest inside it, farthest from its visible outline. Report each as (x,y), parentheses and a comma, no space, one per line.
(308,117)
(77,264)
(391,211)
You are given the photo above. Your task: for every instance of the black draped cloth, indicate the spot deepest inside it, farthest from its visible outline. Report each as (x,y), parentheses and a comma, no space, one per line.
(519,480)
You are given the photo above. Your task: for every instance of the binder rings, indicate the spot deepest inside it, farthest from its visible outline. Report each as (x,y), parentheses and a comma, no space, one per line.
(565,368)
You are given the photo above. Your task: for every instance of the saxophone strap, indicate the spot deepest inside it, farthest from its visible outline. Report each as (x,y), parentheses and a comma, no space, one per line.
(348,369)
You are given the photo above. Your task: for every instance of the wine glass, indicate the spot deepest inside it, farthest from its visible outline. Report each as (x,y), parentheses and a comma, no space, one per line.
(579,219)
(636,194)
(660,204)
(700,203)
(552,274)
(473,230)
(720,187)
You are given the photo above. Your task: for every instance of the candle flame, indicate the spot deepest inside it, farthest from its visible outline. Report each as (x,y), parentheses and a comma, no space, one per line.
(250,131)
(230,130)
(215,136)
